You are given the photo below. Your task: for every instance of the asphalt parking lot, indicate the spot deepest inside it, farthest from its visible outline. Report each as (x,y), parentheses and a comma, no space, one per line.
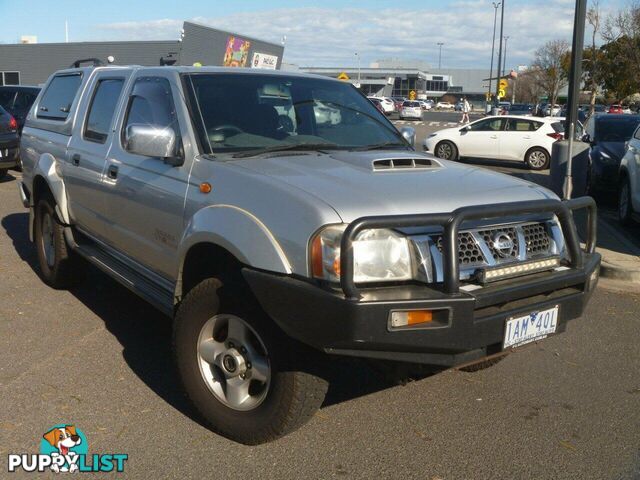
(99,357)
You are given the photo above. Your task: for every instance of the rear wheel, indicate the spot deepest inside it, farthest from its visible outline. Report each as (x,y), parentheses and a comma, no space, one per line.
(446,150)
(625,207)
(238,370)
(60,267)
(537,159)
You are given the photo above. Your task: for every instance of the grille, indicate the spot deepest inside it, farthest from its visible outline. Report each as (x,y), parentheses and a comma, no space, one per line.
(487,236)
(468,251)
(536,238)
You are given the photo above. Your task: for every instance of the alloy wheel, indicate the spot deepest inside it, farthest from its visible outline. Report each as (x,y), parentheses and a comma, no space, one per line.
(537,159)
(48,245)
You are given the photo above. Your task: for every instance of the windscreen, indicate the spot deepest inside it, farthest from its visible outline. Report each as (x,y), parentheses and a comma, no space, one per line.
(617,129)
(243,112)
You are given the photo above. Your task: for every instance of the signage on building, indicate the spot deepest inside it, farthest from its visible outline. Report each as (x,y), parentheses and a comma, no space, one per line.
(262,60)
(236,53)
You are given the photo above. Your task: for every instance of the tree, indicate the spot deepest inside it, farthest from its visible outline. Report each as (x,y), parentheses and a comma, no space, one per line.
(593,58)
(551,64)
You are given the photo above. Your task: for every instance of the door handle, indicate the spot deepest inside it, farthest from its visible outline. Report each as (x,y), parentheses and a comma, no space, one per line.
(527,137)
(75,159)
(112,172)
(493,136)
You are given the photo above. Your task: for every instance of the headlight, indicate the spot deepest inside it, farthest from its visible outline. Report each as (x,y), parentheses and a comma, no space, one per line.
(379,255)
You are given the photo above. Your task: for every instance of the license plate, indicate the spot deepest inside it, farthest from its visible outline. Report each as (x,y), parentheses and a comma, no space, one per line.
(529,328)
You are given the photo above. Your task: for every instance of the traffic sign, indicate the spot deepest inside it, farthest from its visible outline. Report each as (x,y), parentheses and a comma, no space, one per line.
(502,93)
(504,83)
(343,76)
(412,95)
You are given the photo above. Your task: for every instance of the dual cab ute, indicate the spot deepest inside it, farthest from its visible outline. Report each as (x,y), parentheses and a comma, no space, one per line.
(273,239)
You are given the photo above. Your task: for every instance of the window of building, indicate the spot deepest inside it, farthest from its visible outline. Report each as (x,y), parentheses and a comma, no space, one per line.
(437,85)
(59,96)
(103,106)
(9,78)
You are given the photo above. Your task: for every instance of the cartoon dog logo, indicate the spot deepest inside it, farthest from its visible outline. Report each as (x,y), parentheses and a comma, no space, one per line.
(64,438)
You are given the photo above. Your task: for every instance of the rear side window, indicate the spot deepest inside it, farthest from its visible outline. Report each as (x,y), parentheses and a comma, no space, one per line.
(520,125)
(102,108)
(58,98)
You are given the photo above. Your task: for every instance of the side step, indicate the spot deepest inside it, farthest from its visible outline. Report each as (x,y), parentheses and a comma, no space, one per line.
(159,296)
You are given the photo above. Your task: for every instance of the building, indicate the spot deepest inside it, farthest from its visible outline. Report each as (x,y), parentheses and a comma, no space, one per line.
(447,84)
(32,63)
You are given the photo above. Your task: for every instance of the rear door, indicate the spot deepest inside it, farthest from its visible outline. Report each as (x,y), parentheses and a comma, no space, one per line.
(89,149)
(519,136)
(481,138)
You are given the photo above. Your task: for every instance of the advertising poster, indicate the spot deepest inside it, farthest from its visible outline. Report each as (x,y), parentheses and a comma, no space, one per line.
(236,53)
(262,60)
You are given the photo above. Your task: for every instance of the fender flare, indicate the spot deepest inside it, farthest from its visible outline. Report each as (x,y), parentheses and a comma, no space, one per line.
(46,168)
(239,232)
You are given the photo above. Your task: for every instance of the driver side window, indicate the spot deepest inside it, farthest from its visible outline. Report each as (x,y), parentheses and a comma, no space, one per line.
(488,125)
(151,104)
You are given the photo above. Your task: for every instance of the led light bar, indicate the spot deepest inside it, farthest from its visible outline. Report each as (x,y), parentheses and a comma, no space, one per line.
(500,273)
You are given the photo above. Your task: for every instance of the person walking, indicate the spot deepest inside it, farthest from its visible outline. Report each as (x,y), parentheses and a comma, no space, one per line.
(465,111)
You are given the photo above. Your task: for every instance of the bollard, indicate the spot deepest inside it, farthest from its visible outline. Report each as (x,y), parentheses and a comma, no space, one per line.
(559,156)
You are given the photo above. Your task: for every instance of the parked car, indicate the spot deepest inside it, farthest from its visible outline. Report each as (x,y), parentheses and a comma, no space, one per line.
(552,110)
(522,109)
(397,103)
(626,110)
(411,110)
(505,137)
(444,106)
(425,105)
(458,106)
(629,182)
(9,142)
(272,248)
(377,103)
(616,109)
(607,136)
(387,104)
(17,100)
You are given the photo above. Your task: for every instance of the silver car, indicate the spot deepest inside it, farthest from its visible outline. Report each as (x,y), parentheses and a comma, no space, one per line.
(274,240)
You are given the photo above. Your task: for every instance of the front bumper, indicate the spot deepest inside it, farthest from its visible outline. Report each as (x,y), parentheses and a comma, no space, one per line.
(476,321)
(355,321)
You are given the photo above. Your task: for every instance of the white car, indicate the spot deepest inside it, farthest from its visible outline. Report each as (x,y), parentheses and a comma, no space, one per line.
(424,105)
(411,109)
(445,105)
(554,111)
(505,137)
(387,104)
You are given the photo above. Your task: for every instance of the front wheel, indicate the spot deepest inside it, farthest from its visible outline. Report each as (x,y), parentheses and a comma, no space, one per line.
(537,159)
(625,209)
(446,150)
(238,370)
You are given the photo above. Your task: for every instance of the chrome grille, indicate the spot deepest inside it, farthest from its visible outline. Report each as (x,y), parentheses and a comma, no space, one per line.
(488,237)
(468,250)
(536,238)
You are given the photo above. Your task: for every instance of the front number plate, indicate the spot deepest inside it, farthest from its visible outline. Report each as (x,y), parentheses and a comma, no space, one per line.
(532,327)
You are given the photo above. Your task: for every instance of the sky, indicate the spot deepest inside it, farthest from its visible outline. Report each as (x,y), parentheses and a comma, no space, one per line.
(318,33)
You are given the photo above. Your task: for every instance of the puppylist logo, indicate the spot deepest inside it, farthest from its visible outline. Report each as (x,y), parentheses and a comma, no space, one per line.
(64,448)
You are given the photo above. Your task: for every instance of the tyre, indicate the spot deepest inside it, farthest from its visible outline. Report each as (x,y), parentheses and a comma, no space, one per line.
(537,159)
(60,267)
(476,367)
(238,370)
(446,150)
(3,172)
(625,207)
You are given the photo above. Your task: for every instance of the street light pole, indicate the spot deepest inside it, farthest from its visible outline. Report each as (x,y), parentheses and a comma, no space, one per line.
(504,64)
(493,40)
(575,74)
(495,103)
(358,57)
(440,44)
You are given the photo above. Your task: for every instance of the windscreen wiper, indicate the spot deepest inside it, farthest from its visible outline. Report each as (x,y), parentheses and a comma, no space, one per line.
(379,146)
(281,148)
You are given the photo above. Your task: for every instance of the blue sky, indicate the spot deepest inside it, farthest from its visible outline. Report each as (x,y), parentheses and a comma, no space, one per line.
(318,33)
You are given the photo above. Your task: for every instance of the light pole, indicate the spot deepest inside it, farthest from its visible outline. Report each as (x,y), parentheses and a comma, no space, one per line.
(358,57)
(493,41)
(495,102)
(440,44)
(504,64)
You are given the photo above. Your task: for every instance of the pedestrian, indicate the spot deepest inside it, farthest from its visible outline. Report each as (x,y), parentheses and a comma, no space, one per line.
(465,110)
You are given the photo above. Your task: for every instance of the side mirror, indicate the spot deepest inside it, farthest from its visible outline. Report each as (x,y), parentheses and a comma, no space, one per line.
(152,141)
(464,129)
(585,138)
(409,134)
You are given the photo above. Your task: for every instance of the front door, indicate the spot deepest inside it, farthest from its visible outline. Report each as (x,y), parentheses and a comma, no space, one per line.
(145,202)
(482,138)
